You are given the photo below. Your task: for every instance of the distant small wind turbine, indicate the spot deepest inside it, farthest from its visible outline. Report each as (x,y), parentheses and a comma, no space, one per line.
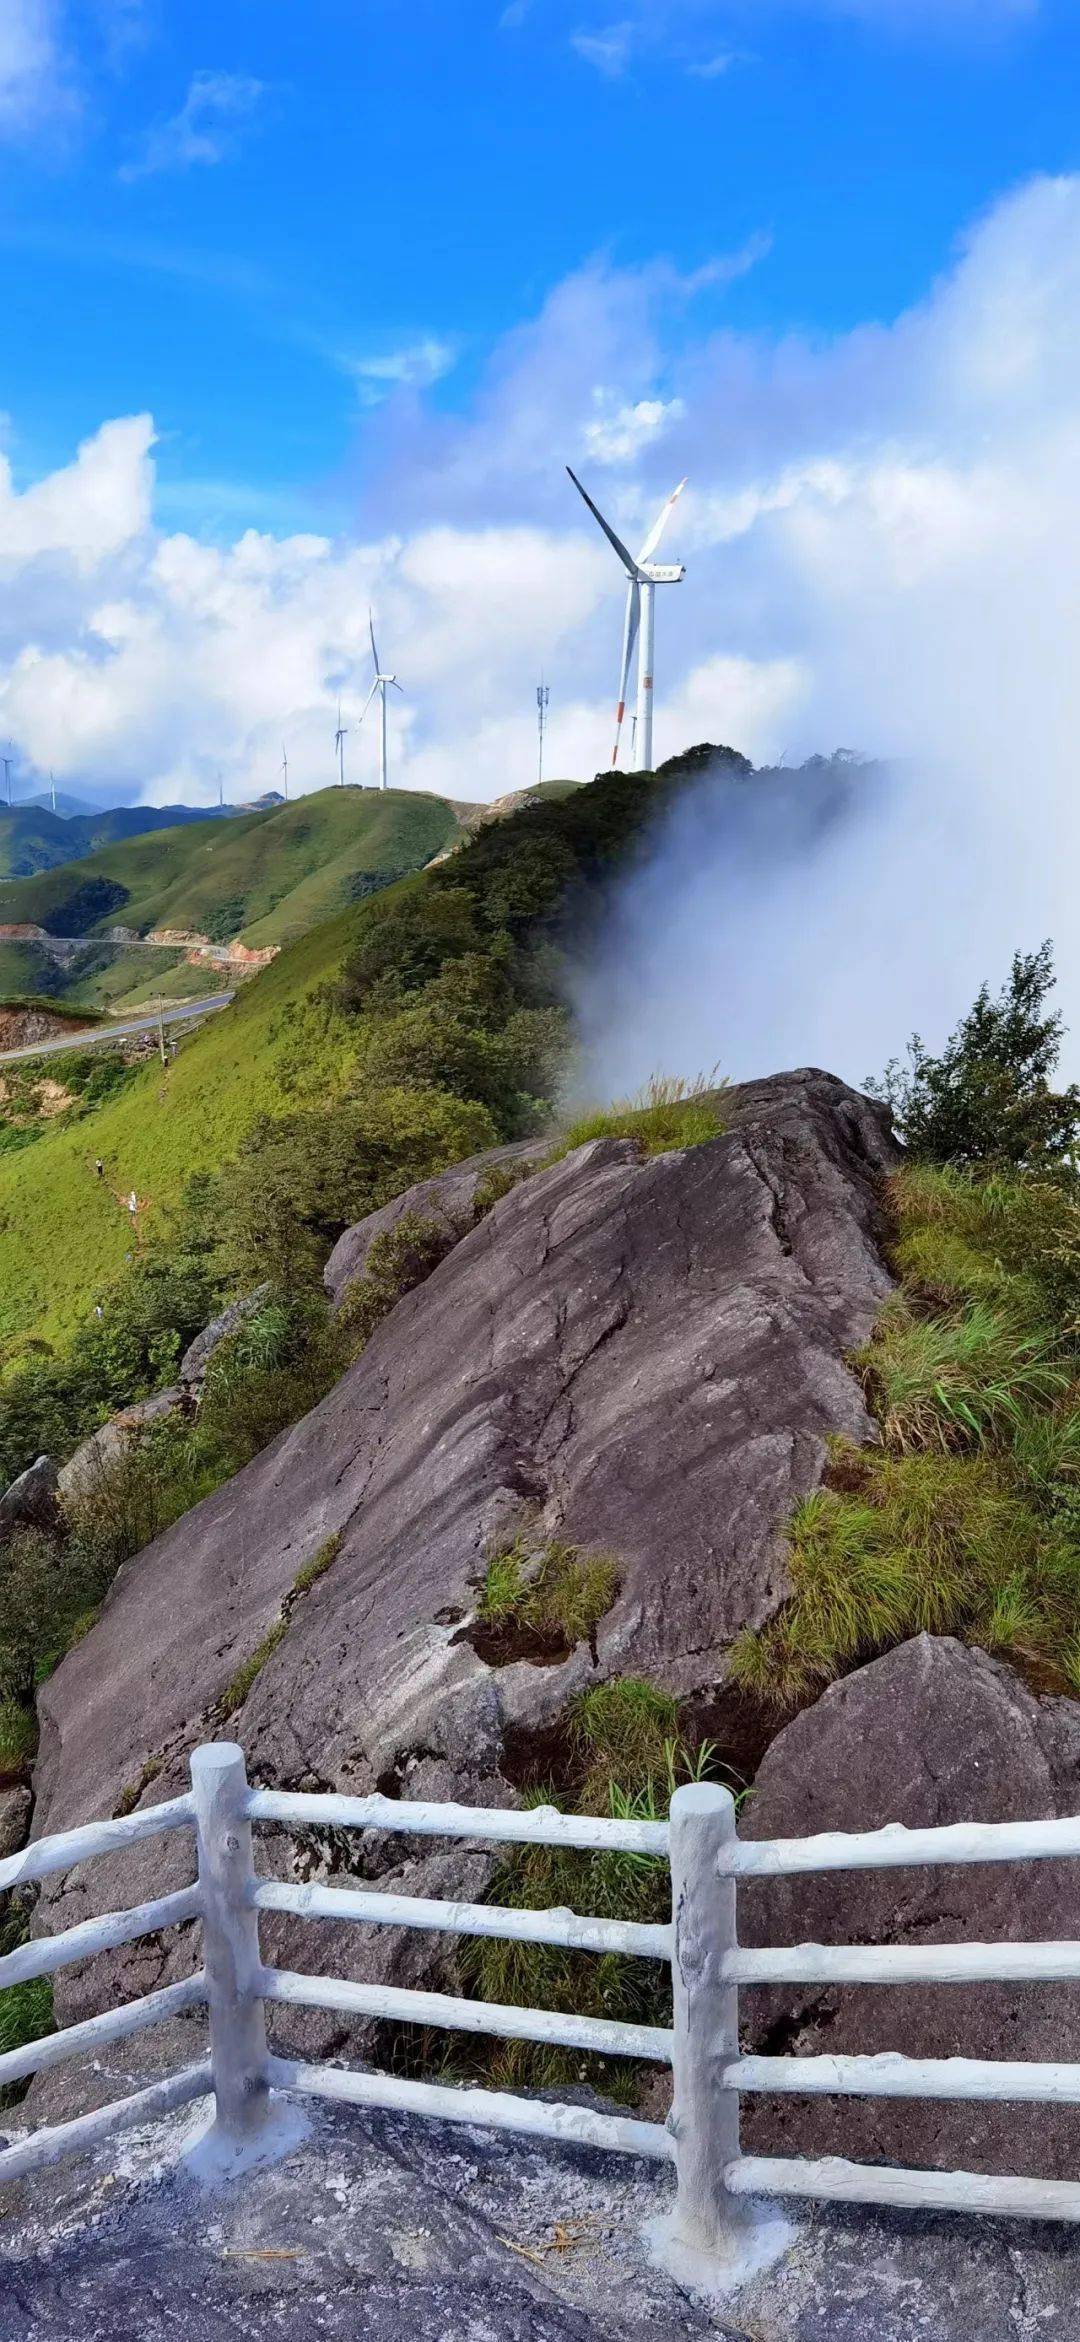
(543,695)
(6,761)
(52,790)
(285,770)
(339,744)
(644,574)
(379,685)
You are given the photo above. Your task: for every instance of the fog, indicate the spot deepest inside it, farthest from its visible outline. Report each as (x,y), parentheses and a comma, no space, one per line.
(814,917)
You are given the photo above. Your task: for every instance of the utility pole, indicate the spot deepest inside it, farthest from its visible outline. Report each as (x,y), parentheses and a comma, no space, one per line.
(161,1029)
(542,697)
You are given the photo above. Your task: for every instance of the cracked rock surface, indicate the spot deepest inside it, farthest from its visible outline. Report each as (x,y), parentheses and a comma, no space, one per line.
(644,1358)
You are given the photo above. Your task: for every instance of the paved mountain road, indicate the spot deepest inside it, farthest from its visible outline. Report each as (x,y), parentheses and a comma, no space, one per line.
(123,1028)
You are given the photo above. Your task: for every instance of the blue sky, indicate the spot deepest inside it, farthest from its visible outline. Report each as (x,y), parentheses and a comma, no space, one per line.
(259,222)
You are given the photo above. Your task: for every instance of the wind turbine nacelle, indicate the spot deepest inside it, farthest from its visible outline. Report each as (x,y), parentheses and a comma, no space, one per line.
(654,574)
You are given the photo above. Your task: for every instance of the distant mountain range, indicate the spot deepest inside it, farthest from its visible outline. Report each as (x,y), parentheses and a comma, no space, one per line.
(260,878)
(33,838)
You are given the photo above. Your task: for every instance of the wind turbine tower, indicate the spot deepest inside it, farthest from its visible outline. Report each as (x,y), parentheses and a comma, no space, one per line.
(542,697)
(285,770)
(645,575)
(380,685)
(52,788)
(339,744)
(7,773)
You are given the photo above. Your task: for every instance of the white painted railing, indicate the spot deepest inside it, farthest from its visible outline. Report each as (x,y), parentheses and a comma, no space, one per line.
(256,2093)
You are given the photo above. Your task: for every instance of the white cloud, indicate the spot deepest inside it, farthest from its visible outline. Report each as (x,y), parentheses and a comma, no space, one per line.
(35,82)
(619,433)
(415,366)
(609,50)
(88,511)
(206,129)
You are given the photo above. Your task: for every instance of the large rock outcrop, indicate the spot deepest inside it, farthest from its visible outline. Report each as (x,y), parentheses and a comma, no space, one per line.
(932,1733)
(642,1357)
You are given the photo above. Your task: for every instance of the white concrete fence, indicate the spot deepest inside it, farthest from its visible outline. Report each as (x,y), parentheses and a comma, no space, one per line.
(718,2190)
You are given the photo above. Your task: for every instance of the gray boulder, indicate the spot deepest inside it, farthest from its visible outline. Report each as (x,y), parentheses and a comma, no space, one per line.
(644,1358)
(14,1819)
(197,1356)
(30,1502)
(84,1470)
(450,1197)
(932,1733)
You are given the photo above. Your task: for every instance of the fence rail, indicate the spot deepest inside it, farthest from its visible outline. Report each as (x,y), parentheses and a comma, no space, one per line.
(256,2092)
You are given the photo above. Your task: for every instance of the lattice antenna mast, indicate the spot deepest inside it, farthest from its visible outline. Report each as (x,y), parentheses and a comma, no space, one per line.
(542,697)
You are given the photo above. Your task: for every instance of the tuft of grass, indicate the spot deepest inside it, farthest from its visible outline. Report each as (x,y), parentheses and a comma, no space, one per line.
(557,1594)
(18,1734)
(931,1542)
(965,1377)
(240,1684)
(129,1797)
(317,1567)
(622,1731)
(666,1114)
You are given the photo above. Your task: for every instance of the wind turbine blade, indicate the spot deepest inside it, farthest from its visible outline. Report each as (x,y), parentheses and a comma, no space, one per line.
(630,633)
(371,631)
(660,523)
(368,700)
(397,686)
(627,559)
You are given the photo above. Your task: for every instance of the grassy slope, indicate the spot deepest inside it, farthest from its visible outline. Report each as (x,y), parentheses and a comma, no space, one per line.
(32,838)
(270,1047)
(264,877)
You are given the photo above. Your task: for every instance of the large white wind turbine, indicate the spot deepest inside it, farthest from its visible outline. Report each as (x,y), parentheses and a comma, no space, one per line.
(380,686)
(644,574)
(339,744)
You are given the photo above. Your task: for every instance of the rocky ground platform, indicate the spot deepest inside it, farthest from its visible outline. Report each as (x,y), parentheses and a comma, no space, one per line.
(383,2229)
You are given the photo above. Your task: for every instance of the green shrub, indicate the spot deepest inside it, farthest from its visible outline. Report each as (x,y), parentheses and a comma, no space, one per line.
(398,1260)
(987,1100)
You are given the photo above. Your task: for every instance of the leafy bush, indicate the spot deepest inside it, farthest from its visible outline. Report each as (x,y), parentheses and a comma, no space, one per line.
(300,1179)
(398,1260)
(987,1100)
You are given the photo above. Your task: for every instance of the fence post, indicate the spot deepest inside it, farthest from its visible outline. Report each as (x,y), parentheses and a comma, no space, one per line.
(249,2124)
(711,2230)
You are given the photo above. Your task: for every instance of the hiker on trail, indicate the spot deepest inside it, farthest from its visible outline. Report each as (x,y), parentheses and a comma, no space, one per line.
(100,1168)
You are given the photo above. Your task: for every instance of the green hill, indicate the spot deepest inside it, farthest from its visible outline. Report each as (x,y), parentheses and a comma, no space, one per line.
(33,838)
(292,1043)
(261,878)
